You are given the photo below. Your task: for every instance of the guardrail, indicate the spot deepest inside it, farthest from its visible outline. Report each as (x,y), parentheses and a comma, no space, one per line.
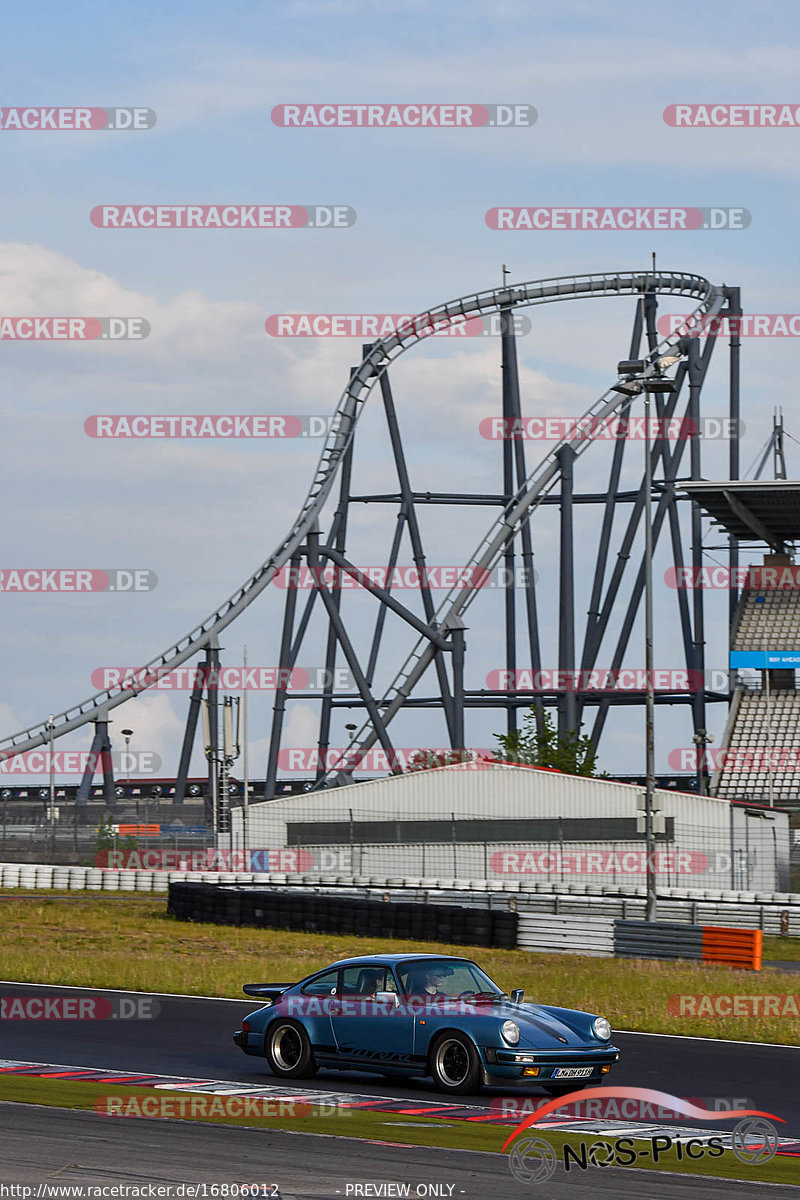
(670,940)
(657,939)
(736,947)
(576,904)
(566,935)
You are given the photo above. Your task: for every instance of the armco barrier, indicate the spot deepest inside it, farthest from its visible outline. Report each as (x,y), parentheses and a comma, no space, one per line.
(657,939)
(735,947)
(664,939)
(773,913)
(314,912)
(566,935)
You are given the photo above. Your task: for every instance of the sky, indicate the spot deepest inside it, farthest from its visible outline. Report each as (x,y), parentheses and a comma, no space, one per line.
(202,515)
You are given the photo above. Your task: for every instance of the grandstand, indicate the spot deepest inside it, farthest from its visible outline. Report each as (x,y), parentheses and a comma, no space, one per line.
(760,753)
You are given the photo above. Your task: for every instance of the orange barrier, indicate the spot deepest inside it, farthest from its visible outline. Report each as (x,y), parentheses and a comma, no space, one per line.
(139,830)
(735,947)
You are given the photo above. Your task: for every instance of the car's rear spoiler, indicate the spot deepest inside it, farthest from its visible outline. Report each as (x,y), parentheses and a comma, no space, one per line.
(272,990)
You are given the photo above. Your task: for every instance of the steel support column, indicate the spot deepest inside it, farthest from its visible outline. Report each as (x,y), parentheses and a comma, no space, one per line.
(567,707)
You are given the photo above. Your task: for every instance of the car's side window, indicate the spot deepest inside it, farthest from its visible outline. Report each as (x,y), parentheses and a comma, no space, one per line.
(323,985)
(363,981)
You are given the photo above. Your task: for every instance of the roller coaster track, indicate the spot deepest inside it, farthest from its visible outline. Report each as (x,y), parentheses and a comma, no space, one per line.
(708,298)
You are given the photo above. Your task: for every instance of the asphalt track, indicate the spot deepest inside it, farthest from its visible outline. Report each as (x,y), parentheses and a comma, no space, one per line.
(192,1037)
(65,1147)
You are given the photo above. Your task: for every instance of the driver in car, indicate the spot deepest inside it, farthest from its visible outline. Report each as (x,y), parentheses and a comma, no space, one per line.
(429,983)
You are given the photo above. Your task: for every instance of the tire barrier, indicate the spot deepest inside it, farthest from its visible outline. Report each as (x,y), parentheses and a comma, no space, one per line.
(314,912)
(706,943)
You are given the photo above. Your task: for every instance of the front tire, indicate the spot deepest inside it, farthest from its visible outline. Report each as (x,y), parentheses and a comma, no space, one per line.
(454,1064)
(288,1051)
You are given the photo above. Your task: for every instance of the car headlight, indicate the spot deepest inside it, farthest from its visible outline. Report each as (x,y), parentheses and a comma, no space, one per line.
(601,1029)
(510,1031)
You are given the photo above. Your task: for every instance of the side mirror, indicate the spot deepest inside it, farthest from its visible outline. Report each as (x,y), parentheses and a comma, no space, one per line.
(517,996)
(391,998)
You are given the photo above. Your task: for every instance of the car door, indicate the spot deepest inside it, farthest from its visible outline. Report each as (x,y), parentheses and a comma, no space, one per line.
(369,1030)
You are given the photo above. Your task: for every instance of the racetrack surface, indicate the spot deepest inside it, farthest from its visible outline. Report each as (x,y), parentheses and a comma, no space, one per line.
(66,1147)
(193,1037)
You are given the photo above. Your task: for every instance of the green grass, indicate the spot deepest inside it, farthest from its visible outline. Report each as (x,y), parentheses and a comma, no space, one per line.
(782,949)
(124,941)
(417,1131)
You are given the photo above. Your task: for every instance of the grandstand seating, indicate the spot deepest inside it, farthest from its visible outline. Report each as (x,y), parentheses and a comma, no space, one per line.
(761,729)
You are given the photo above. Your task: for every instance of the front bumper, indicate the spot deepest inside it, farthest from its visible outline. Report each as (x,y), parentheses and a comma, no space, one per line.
(502,1065)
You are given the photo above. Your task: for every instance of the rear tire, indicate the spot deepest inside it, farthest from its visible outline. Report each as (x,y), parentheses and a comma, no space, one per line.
(288,1051)
(454,1064)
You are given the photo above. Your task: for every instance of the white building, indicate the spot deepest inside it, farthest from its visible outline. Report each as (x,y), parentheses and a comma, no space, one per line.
(494,821)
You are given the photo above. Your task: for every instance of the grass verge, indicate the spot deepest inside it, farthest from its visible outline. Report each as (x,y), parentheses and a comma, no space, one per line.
(123,941)
(418,1131)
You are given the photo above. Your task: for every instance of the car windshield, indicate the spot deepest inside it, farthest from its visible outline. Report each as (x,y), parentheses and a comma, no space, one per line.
(446,977)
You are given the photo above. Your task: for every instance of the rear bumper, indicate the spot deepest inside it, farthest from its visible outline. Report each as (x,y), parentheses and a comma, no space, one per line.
(242,1040)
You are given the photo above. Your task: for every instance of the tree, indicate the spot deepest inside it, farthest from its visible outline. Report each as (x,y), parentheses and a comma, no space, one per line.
(423,760)
(538,745)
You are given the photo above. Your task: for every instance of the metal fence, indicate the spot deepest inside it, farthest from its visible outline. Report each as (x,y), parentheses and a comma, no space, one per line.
(744,849)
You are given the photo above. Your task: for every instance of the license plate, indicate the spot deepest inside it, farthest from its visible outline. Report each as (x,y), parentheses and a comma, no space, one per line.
(572,1072)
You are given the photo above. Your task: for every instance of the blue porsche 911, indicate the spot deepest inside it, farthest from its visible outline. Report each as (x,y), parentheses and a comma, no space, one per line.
(417,1014)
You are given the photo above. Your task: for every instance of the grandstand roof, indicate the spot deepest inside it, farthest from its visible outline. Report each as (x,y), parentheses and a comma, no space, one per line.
(753,510)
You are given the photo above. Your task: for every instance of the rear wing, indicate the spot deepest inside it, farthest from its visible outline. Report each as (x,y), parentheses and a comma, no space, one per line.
(270,990)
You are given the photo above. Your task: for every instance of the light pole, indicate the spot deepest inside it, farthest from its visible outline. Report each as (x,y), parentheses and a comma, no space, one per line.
(702,738)
(644,375)
(222,759)
(651,903)
(245,762)
(52,767)
(127,734)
